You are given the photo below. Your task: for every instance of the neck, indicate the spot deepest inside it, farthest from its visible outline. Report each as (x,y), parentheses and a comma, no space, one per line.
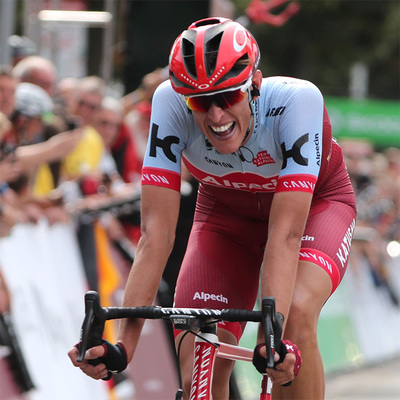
(251,122)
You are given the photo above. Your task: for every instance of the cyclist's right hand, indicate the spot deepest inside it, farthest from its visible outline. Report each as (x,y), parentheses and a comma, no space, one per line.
(101,361)
(99,371)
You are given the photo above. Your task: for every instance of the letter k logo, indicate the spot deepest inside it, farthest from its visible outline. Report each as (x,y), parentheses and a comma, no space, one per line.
(165,144)
(295,151)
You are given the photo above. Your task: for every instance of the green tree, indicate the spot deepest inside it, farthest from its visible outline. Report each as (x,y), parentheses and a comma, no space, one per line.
(327,37)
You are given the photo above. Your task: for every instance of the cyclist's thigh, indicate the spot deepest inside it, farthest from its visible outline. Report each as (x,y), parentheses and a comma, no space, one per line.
(327,238)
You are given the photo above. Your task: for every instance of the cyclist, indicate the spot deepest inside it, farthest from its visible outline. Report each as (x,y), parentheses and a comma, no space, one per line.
(274,199)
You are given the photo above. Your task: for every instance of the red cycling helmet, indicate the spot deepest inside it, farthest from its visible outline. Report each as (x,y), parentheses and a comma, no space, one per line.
(212,55)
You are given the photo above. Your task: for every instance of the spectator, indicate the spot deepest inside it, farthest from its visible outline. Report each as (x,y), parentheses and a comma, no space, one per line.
(89,95)
(32,151)
(37,70)
(64,99)
(21,47)
(8,85)
(86,157)
(137,107)
(376,180)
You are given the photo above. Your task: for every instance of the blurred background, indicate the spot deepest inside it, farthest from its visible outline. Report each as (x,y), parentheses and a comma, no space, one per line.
(76,83)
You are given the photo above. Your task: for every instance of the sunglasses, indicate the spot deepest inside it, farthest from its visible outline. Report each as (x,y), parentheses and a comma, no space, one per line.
(89,105)
(223,100)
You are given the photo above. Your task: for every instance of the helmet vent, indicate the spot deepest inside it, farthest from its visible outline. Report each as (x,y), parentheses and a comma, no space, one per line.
(207,21)
(240,65)
(188,57)
(211,53)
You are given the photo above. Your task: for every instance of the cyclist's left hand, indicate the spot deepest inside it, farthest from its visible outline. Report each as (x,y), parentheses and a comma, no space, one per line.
(283,373)
(287,365)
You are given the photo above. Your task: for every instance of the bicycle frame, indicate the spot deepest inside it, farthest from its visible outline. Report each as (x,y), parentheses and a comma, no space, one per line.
(207,345)
(206,349)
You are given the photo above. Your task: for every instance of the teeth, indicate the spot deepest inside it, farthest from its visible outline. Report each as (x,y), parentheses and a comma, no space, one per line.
(222,128)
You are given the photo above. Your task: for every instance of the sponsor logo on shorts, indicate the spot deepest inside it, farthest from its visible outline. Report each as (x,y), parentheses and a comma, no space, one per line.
(344,249)
(307,238)
(316,258)
(210,296)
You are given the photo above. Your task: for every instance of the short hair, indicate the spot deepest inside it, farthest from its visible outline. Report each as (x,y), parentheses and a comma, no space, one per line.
(24,68)
(111,104)
(91,84)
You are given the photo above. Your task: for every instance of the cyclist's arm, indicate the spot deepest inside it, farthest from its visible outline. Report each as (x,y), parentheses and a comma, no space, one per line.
(288,217)
(289,212)
(160,208)
(300,135)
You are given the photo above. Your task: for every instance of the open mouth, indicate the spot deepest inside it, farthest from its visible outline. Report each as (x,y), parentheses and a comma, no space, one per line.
(223,130)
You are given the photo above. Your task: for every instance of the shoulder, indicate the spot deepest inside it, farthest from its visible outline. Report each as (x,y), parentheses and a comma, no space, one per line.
(167,102)
(164,90)
(287,87)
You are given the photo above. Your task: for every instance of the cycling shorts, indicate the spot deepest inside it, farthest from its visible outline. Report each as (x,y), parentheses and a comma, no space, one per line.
(221,267)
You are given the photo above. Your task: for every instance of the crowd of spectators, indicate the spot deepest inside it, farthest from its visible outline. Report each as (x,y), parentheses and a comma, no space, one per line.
(376,181)
(67,146)
(57,132)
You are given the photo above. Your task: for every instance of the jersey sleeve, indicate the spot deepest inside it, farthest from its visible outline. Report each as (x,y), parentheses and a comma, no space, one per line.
(300,138)
(162,161)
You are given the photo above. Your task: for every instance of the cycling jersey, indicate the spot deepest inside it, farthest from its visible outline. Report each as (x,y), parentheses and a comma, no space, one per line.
(284,151)
(290,149)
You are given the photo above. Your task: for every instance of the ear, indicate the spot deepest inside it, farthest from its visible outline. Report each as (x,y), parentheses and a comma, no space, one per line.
(256,83)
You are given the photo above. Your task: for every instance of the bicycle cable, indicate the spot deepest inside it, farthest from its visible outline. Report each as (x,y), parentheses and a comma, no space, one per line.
(179,393)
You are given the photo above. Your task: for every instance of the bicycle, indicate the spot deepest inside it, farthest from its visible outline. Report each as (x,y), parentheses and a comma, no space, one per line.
(199,321)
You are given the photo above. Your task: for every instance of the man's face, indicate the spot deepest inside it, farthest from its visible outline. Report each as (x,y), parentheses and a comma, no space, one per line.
(44,79)
(87,107)
(7,94)
(29,128)
(108,124)
(226,128)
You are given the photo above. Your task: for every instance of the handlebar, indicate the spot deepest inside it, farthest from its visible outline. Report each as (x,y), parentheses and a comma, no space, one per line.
(96,316)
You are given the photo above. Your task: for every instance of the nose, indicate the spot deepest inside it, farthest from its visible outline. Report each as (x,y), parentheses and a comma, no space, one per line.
(215,112)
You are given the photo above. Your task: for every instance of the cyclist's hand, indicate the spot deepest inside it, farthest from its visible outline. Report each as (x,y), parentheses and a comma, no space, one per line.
(287,364)
(101,361)
(284,372)
(94,371)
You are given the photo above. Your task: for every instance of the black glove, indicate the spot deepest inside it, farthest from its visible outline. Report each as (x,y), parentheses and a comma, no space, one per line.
(114,358)
(282,348)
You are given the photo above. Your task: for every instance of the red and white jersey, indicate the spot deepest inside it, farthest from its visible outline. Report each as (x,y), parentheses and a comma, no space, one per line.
(288,149)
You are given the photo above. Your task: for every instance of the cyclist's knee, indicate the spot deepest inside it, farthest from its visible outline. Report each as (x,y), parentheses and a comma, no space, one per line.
(303,317)
(311,290)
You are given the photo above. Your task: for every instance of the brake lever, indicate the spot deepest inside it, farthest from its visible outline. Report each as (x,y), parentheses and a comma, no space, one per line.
(93,324)
(268,322)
